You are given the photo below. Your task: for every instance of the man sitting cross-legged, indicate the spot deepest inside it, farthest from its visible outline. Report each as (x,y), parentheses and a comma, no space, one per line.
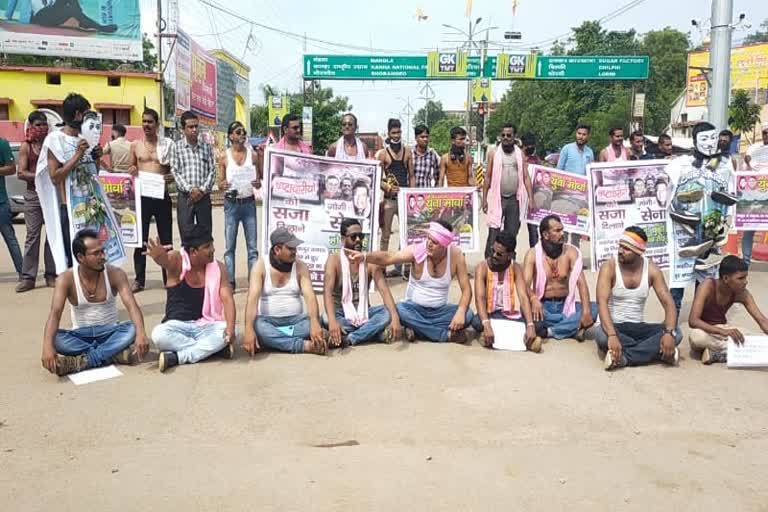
(200,308)
(714,297)
(622,290)
(553,276)
(274,314)
(345,293)
(425,313)
(501,294)
(97,337)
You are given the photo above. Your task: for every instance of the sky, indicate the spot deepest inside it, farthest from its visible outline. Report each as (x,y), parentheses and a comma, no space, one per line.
(392,25)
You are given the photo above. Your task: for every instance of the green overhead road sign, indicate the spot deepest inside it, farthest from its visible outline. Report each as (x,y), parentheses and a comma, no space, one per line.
(373,67)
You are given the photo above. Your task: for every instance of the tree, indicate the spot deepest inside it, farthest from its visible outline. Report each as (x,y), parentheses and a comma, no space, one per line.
(429,114)
(759,36)
(668,52)
(744,114)
(440,133)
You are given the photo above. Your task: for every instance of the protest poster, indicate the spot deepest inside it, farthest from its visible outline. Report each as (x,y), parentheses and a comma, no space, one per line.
(752,206)
(456,205)
(629,194)
(758,157)
(563,194)
(89,207)
(122,190)
(311,195)
(752,354)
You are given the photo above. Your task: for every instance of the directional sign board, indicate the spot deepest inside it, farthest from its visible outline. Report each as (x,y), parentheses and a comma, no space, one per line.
(373,67)
(588,67)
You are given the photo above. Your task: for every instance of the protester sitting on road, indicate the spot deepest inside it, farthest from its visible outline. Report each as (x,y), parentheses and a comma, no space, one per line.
(622,290)
(426,313)
(345,292)
(501,294)
(200,308)
(274,313)
(96,337)
(553,275)
(714,297)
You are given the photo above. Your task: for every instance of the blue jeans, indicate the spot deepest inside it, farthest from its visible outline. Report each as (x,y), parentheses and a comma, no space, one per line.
(283,333)
(236,212)
(430,323)
(477,324)
(558,325)
(640,342)
(372,330)
(98,343)
(6,227)
(747,241)
(191,342)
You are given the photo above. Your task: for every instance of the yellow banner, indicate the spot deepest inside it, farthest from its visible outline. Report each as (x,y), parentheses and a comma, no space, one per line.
(278,108)
(447,64)
(481,90)
(515,65)
(749,70)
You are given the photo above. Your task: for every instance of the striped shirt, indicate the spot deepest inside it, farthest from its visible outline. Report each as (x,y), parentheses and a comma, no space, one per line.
(426,167)
(193,166)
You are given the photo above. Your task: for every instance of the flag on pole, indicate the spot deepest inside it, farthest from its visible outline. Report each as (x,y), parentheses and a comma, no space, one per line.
(468,11)
(514,7)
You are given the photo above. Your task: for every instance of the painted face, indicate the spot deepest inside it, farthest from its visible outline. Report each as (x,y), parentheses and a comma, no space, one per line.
(707,142)
(91,129)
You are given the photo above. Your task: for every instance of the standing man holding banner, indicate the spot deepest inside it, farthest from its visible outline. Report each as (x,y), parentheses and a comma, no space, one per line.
(615,150)
(510,190)
(349,146)
(753,164)
(291,140)
(145,157)
(194,168)
(575,157)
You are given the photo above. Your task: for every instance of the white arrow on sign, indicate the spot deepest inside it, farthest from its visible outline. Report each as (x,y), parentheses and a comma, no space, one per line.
(309,66)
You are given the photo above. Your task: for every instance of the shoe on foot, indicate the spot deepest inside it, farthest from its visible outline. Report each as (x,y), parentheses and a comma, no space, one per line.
(711,356)
(25,286)
(386,336)
(688,229)
(686,218)
(50,281)
(410,335)
(126,357)
(581,335)
(610,364)
(690,196)
(458,337)
(136,287)
(541,330)
(167,360)
(228,352)
(694,248)
(70,364)
(724,197)
(672,361)
(708,262)
(535,345)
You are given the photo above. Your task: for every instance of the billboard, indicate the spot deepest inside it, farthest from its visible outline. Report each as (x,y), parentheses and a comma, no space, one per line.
(447,64)
(96,29)
(196,81)
(749,70)
(277,108)
(515,65)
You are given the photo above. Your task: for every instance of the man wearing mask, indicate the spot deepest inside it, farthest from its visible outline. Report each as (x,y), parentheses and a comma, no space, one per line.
(291,140)
(349,146)
(748,237)
(345,295)
(615,150)
(507,189)
(397,166)
(501,294)
(553,277)
(426,162)
(29,154)
(456,165)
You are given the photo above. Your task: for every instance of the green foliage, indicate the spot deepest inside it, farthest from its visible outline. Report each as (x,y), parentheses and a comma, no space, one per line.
(429,114)
(744,114)
(440,132)
(758,36)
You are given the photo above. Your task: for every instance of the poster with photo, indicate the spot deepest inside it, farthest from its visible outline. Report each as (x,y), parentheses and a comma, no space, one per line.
(122,190)
(563,194)
(752,205)
(456,205)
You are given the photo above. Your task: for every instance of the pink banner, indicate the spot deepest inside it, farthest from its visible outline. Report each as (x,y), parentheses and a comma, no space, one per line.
(195,79)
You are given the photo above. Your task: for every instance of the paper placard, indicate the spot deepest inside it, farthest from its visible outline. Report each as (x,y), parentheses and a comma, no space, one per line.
(752,354)
(95,375)
(508,335)
(152,185)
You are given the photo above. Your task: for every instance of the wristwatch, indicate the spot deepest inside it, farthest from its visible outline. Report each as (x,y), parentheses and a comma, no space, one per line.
(671,332)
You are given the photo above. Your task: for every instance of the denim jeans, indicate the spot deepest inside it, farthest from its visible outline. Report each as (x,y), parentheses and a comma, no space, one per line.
(372,330)
(640,342)
(98,343)
(236,212)
(190,341)
(747,241)
(9,234)
(477,324)
(430,324)
(283,333)
(510,211)
(188,214)
(559,325)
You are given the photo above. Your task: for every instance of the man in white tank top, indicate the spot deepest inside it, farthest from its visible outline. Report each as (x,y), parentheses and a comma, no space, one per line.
(237,172)
(96,337)
(426,313)
(622,290)
(274,313)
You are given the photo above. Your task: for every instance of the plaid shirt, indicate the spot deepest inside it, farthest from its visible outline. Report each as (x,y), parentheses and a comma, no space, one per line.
(193,166)
(426,167)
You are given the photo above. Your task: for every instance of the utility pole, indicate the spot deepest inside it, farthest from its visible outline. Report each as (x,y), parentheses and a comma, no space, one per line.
(469,82)
(486,111)
(408,111)
(720,62)
(427,94)
(160,63)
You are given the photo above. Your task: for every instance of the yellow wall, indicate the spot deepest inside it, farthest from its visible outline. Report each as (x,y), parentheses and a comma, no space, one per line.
(241,112)
(24,86)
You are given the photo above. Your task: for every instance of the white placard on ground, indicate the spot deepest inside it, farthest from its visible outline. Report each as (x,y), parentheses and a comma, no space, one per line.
(752,354)
(508,335)
(152,185)
(95,375)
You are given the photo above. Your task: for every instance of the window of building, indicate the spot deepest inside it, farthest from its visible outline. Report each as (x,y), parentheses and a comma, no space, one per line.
(113,81)
(115,116)
(3,111)
(53,78)
(684,118)
(56,107)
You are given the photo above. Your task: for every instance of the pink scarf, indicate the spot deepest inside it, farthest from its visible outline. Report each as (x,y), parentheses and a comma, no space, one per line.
(359,316)
(439,234)
(611,154)
(541,279)
(508,289)
(494,200)
(213,310)
(303,147)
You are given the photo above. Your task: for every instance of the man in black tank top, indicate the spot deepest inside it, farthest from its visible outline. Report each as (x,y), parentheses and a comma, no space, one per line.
(397,164)
(200,309)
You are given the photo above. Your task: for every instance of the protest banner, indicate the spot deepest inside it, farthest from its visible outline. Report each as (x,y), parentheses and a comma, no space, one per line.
(458,206)
(89,207)
(122,190)
(563,194)
(196,86)
(758,157)
(752,206)
(629,194)
(310,196)
(752,354)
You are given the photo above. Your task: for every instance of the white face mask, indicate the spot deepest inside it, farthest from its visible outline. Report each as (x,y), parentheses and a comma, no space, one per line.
(707,143)
(91,129)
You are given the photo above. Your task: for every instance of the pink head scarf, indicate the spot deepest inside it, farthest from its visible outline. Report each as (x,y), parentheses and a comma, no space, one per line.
(439,234)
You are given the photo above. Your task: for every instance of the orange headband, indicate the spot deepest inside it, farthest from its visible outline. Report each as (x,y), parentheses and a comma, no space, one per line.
(633,242)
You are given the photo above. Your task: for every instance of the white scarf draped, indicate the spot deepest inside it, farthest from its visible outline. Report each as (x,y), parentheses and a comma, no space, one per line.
(341,153)
(359,316)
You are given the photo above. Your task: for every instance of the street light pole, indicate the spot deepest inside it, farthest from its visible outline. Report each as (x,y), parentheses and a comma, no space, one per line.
(720,62)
